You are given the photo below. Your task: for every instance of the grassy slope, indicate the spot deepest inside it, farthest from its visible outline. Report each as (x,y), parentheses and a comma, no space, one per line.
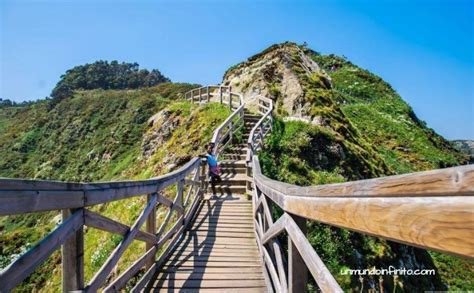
(404,142)
(368,131)
(96,135)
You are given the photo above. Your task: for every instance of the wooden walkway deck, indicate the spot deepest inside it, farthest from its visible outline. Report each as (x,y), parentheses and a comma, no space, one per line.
(218,254)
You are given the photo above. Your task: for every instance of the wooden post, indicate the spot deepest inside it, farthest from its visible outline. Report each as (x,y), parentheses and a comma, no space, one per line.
(73,259)
(297,271)
(150,228)
(208,94)
(200,95)
(180,189)
(203,178)
(220,94)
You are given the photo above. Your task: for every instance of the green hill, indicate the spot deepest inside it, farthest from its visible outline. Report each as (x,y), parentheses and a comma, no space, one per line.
(337,122)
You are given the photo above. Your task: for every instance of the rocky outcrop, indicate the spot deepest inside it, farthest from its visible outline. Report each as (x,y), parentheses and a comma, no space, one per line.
(160,129)
(272,74)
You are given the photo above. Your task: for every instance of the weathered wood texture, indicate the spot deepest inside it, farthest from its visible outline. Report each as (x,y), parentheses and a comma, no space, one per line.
(199,257)
(431,218)
(72,258)
(23,266)
(26,196)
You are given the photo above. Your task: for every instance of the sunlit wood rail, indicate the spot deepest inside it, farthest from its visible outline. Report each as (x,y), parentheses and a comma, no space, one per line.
(432,210)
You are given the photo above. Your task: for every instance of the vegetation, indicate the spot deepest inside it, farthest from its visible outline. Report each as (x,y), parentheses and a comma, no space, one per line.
(362,129)
(389,124)
(95,136)
(104,75)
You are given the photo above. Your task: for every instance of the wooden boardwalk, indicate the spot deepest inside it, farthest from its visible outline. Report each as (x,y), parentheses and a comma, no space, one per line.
(218,254)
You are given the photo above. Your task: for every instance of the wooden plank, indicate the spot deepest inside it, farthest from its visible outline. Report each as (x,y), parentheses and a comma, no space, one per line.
(425,212)
(212,225)
(150,227)
(164,200)
(203,284)
(270,268)
(210,239)
(275,229)
(216,258)
(100,277)
(213,270)
(217,253)
(217,264)
(27,201)
(23,266)
(219,234)
(219,290)
(440,223)
(124,277)
(97,193)
(210,276)
(456,181)
(28,184)
(100,222)
(297,271)
(219,228)
(159,263)
(192,211)
(315,265)
(72,258)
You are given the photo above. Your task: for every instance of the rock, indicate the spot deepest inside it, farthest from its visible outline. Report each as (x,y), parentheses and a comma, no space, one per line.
(272,74)
(161,126)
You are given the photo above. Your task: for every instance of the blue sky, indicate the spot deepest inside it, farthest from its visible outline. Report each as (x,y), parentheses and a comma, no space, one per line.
(424,49)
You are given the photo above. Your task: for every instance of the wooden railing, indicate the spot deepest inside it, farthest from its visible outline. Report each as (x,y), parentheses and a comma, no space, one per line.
(432,210)
(258,133)
(76,199)
(225,133)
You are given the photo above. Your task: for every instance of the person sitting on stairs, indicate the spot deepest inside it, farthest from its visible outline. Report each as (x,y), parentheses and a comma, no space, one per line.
(214,170)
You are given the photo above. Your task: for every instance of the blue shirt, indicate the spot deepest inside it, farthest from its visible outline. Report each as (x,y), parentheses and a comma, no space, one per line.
(211,160)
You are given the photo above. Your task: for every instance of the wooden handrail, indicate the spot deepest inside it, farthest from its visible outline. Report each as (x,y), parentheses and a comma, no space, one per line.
(442,203)
(18,196)
(432,210)
(223,134)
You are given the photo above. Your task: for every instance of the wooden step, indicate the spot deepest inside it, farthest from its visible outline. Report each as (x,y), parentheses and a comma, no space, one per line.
(202,240)
(227,189)
(234,177)
(216,253)
(216,258)
(236,157)
(203,284)
(232,164)
(212,270)
(210,276)
(214,290)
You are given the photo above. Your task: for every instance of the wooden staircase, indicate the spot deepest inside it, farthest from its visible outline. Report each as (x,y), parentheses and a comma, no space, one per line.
(219,253)
(233,165)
